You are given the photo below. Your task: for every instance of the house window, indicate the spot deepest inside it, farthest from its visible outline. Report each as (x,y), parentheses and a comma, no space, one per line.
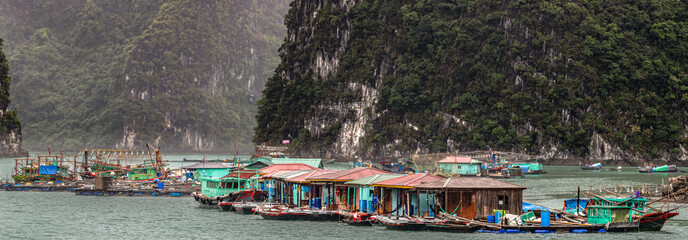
(503,202)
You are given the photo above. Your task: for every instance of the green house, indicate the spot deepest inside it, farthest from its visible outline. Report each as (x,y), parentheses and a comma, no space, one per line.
(462,165)
(209,169)
(599,214)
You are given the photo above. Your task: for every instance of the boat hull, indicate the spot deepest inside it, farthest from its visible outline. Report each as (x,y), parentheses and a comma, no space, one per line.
(655,221)
(590,168)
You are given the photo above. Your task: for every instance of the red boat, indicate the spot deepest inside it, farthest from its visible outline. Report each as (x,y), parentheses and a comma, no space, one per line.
(654,221)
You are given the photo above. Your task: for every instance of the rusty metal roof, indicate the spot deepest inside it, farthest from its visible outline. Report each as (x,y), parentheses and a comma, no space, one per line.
(469,183)
(456,159)
(373,179)
(408,181)
(286,167)
(348,175)
(302,178)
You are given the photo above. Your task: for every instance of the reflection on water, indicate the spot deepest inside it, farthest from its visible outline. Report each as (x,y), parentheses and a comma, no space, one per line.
(66,216)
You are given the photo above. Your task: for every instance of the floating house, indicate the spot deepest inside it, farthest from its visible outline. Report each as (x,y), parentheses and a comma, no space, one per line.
(474,197)
(257,165)
(300,191)
(209,170)
(399,198)
(462,165)
(365,198)
(267,181)
(332,187)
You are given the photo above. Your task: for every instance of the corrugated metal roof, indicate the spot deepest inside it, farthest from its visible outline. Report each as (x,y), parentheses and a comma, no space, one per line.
(302,178)
(409,180)
(285,175)
(243,173)
(456,159)
(206,165)
(348,175)
(373,179)
(286,167)
(313,162)
(469,183)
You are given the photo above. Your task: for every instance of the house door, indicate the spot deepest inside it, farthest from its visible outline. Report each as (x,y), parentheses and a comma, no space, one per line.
(468,205)
(387,201)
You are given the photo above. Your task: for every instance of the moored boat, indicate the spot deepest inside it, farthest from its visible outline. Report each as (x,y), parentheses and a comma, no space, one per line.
(654,221)
(596,166)
(401,223)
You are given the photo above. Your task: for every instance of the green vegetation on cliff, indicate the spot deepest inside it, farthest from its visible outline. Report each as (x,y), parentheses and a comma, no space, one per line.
(183,74)
(522,75)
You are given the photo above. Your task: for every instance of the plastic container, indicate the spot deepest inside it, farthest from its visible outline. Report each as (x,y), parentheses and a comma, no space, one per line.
(513,231)
(363,204)
(541,231)
(318,203)
(161,185)
(579,230)
(174,194)
(498,217)
(544,219)
(490,218)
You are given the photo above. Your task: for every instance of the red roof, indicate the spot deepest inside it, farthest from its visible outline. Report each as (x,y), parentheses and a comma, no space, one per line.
(456,159)
(469,183)
(348,175)
(409,180)
(303,177)
(286,167)
(245,174)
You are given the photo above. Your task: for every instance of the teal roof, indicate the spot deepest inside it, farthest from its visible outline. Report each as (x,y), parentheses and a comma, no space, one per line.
(313,162)
(373,179)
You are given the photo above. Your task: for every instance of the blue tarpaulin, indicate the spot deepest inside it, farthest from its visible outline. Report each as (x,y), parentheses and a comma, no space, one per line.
(531,207)
(48,170)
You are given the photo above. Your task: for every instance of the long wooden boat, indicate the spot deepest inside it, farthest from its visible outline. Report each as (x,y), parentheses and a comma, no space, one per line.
(401,223)
(452,227)
(227,203)
(361,222)
(245,208)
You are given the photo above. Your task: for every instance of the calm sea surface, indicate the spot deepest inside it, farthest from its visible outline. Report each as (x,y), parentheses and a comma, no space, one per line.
(62,215)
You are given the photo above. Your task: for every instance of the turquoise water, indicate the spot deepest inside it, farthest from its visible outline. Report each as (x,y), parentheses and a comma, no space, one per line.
(36,215)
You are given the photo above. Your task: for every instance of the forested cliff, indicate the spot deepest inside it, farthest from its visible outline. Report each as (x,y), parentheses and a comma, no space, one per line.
(10,126)
(182,74)
(562,79)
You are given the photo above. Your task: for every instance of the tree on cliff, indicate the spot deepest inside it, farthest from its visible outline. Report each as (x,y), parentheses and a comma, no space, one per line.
(10,127)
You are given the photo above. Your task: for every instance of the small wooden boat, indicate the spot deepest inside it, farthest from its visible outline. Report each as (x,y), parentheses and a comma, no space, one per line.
(401,223)
(366,222)
(655,221)
(245,208)
(596,166)
(273,214)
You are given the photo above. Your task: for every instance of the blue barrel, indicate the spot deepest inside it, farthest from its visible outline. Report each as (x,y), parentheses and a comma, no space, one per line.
(490,218)
(525,169)
(161,185)
(544,219)
(174,194)
(498,217)
(363,205)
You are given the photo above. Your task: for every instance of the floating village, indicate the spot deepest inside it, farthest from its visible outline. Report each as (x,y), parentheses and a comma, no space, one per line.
(461,193)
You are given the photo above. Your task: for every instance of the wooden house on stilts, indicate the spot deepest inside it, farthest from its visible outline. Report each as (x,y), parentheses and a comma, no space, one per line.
(474,197)
(398,196)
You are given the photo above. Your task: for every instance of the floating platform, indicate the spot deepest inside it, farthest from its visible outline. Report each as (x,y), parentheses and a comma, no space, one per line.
(135,193)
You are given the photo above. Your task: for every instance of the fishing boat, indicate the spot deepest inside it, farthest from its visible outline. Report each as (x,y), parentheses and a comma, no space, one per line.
(531,168)
(245,208)
(652,169)
(246,196)
(596,166)
(215,191)
(401,223)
